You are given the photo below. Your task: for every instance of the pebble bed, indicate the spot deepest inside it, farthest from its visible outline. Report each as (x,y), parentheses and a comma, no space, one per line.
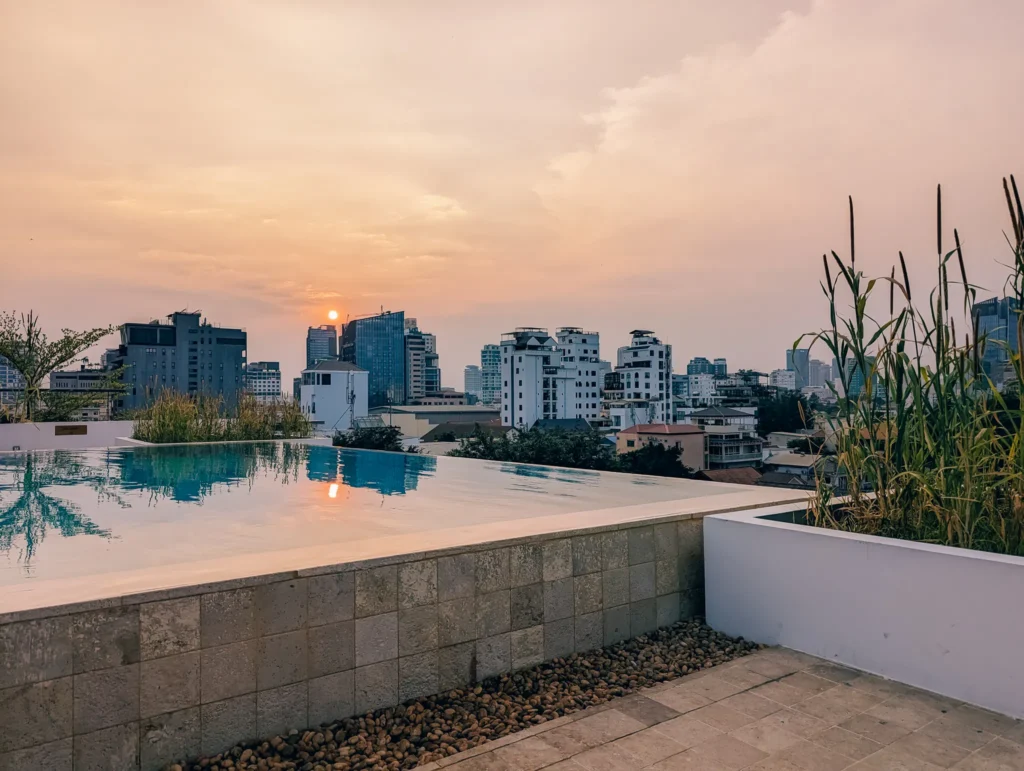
(435,727)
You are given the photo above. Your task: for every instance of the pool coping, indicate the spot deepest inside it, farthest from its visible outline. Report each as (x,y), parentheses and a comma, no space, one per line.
(468,539)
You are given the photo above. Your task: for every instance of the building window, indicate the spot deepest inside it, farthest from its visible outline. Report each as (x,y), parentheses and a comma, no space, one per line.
(326,380)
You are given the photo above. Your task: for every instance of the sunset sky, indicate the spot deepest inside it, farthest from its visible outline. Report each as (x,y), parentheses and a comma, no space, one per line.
(675,165)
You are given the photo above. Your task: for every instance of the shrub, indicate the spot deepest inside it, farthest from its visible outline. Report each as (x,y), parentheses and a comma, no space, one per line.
(178,417)
(372,438)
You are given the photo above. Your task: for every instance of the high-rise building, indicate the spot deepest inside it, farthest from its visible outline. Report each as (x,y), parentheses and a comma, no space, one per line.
(995,319)
(263,380)
(698,365)
(422,368)
(721,367)
(529,364)
(473,381)
(645,366)
(297,389)
(858,380)
(11,379)
(798,361)
(321,344)
(377,345)
(188,355)
(818,373)
(783,379)
(581,390)
(490,372)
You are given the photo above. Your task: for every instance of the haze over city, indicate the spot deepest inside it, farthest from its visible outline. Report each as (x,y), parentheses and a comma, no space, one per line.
(674,166)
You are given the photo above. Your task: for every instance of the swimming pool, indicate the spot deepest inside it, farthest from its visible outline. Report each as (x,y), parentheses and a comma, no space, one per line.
(139,518)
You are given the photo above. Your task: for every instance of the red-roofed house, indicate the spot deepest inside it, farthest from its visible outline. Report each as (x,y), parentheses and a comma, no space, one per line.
(690,438)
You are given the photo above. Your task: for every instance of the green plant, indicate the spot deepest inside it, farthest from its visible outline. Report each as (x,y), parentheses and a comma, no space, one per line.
(30,352)
(387,438)
(178,417)
(927,447)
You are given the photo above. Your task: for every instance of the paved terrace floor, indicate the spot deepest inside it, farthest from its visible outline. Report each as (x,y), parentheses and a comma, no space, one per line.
(776,710)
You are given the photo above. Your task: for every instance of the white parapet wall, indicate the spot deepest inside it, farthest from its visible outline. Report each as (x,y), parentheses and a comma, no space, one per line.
(947,620)
(63,436)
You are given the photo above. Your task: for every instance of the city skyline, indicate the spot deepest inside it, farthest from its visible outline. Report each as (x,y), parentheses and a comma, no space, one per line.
(316,169)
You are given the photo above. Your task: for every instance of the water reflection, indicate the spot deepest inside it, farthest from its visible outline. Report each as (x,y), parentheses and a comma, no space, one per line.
(32,506)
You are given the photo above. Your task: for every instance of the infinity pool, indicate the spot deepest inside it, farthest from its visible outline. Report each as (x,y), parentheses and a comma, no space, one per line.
(154,516)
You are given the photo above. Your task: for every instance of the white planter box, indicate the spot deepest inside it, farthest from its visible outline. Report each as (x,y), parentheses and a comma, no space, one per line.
(947,620)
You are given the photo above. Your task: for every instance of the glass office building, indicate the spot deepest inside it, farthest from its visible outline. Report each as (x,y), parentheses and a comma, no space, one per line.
(377,344)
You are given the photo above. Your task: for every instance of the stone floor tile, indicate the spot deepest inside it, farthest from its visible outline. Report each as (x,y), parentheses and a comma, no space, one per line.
(853,746)
(903,713)
(879,686)
(838,704)
(998,755)
(797,723)
(935,751)
(876,729)
(689,761)
(774,763)
(813,757)
(644,710)
(767,736)
(786,695)
(606,758)
(611,724)
(728,751)
(649,746)
(740,675)
(573,738)
(487,762)
(751,704)
(680,700)
(975,717)
(564,765)
(773,667)
(833,672)
(687,731)
(808,683)
(952,729)
(1015,734)
(712,687)
(530,754)
(892,758)
(721,717)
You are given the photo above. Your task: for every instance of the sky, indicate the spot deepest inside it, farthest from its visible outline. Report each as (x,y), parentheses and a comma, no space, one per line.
(673,165)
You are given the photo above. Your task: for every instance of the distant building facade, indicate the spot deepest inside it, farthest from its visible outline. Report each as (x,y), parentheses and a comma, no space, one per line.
(690,439)
(321,344)
(732,446)
(263,380)
(996,320)
(490,373)
(334,394)
(473,381)
(86,378)
(187,355)
(698,365)
(529,368)
(818,373)
(798,360)
(783,379)
(645,369)
(10,378)
(721,367)
(422,367)
(446,396)
(581,359)
(377,344)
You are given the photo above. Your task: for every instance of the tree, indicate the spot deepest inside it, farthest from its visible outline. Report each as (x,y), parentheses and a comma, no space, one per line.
(570,449)
(372,438)
(655,459)
(30,352)
(784,411)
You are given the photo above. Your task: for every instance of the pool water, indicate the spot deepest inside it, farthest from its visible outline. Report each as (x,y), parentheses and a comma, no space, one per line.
(71,514)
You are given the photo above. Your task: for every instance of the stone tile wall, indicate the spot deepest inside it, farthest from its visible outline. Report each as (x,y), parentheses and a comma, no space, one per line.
(138,684)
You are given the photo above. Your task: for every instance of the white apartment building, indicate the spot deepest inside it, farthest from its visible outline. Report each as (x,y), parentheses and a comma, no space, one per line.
(783,379)
(644,369)
(529,371)
(580,393)
(334,394)
(263,380)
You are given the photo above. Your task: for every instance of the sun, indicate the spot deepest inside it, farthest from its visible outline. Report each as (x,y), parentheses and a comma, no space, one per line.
(332,315)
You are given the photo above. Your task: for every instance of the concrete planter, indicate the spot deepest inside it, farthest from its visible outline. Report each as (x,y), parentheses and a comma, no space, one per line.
(947,620)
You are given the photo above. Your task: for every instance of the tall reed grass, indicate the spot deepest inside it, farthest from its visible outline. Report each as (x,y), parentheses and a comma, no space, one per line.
(929,447)
(178,417)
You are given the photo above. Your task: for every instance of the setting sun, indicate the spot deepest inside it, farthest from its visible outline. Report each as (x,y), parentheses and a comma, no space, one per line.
(332,315)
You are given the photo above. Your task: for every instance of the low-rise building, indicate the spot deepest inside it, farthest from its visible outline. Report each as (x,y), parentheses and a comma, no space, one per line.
(416,420)
(733,447)
(84,379)
(723,416)
(690,439)
(334,394)
(783,379)
(446,396)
